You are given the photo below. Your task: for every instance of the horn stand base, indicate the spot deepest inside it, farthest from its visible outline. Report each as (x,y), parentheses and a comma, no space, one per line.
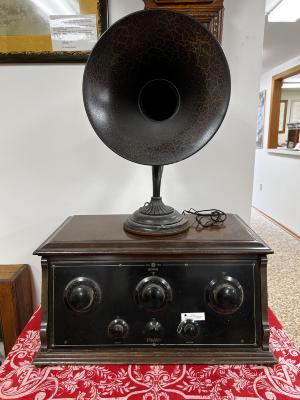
(156,219)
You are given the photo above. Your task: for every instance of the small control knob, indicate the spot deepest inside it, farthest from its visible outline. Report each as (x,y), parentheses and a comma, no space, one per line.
(153,293)
(225,296)
(81,294)
(154,330)
(118,329)
(189,329)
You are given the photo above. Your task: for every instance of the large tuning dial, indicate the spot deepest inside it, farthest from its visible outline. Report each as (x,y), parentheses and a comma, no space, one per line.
(81,294)
(225,296)
(153,293)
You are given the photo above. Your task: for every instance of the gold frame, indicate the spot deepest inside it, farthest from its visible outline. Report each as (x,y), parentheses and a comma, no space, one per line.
(38,48)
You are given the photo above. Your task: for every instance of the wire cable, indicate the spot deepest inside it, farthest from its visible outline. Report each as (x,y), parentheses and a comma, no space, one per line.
(207,218)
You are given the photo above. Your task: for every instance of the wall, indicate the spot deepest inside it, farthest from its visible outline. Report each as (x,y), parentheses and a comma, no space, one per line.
(52,165)
(278,174)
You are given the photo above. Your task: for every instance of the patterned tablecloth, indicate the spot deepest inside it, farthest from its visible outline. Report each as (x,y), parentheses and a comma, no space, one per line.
(19,379)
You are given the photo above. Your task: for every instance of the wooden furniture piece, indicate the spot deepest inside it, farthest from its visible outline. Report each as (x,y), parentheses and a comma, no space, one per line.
(209,12)
(15,301)
(293,134)
(112,297)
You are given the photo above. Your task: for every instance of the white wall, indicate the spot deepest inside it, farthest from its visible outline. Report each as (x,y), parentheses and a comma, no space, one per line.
(52,164)
(278,174)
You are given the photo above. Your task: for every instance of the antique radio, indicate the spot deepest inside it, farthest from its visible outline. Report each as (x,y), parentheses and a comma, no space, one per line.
(152,287)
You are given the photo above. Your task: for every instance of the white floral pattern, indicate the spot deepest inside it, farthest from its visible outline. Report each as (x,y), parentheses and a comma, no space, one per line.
(19,379)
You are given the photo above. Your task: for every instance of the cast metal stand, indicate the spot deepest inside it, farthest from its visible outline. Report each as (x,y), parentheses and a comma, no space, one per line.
(156,218)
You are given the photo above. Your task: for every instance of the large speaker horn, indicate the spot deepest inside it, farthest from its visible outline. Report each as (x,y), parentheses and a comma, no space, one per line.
(156,88)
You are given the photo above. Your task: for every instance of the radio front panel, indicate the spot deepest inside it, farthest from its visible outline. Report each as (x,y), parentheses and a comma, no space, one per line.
(205,303)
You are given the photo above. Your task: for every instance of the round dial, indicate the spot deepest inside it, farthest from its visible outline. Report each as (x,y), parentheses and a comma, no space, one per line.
(154,329)
(118,329)
(225,296)
(189,329)
(153,293)
(81,294)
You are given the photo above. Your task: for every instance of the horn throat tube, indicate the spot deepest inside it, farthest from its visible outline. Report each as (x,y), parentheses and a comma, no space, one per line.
(159,100)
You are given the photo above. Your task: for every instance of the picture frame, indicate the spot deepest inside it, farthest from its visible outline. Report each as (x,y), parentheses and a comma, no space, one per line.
(261,119)
(210,13)
(295,112)
(282,116)
(50,31)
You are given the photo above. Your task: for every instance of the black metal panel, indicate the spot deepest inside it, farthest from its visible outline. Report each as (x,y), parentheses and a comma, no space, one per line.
(118,281)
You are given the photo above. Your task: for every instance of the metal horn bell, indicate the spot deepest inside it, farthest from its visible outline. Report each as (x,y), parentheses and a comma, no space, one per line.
(156,89)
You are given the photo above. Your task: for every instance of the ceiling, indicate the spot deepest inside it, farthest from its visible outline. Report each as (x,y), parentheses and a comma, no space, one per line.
(293,79)
(281,43)
(270,4)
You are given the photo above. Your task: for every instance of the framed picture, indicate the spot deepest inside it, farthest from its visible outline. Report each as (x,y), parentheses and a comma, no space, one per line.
(282,116)
(209,13)
(260,120)
(50,30)
(295,111)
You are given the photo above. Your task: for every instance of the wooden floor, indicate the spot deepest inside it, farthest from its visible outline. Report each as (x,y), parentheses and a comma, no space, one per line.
(283,273)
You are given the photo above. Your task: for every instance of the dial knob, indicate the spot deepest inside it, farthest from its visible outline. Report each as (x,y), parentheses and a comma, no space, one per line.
(153,293)
(154,330)
(118,329)
(153,297)
(225,296)
(81,294)
(189,329)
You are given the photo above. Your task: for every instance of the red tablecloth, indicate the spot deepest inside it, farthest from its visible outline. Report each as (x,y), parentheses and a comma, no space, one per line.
(19,379)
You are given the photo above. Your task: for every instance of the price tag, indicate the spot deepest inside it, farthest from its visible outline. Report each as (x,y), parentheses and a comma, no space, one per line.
(197,316)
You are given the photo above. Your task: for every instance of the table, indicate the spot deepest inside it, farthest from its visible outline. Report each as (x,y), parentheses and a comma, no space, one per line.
(19,379)
(15,301)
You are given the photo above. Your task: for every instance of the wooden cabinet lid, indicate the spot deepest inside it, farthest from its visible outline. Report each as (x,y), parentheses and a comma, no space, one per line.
(104,234)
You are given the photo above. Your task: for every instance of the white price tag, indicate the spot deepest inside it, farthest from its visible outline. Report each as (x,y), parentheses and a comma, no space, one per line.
(73,32)
(199,316)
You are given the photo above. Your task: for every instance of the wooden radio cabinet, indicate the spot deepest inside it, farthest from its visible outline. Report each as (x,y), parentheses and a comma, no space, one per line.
(112,297)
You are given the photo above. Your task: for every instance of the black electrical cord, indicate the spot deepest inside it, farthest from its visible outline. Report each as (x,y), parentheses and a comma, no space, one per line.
(207,218)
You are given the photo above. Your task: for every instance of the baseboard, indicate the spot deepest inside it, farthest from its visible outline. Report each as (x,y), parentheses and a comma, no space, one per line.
(289,231)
